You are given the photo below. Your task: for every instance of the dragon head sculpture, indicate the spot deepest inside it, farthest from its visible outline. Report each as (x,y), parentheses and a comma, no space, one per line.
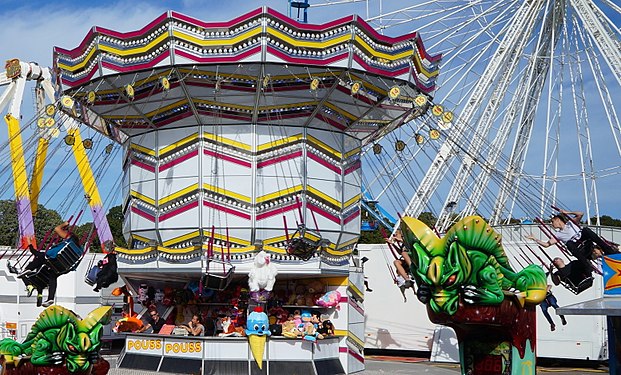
(468,262)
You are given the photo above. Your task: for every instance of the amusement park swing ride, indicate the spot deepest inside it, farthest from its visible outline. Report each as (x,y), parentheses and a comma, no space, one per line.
(244,137)
(239,137)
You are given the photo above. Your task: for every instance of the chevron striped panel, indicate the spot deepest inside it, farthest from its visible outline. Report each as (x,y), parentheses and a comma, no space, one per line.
(260,35)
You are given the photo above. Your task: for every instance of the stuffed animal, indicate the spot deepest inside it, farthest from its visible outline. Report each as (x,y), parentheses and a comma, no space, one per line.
(330,299)
(290,330)
(263,273)
(315,286)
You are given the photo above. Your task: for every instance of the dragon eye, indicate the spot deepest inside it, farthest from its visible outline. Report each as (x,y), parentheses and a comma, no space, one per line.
(451,280)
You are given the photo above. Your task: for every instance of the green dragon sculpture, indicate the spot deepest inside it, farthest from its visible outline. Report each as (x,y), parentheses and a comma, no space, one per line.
(468,261)
(59,335)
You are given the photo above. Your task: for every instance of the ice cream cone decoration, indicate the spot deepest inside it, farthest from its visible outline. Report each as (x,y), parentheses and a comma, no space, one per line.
(258,329)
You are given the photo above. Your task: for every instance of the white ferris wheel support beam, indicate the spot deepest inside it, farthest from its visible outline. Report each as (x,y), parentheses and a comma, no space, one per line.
(521,30)
(443,159)
(530,87)
(598,26)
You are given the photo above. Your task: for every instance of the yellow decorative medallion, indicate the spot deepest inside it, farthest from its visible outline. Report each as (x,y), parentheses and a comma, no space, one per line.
(314,85)
(50,110)
(90,98)
(394,92)
(129,90)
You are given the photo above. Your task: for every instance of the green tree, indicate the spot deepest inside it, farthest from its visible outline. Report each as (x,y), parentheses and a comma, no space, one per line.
(44,222)
(608,221)
(428,218)
(115,220)
(373,236)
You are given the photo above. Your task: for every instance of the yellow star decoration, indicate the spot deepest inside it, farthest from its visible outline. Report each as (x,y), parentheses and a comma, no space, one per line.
(615,277)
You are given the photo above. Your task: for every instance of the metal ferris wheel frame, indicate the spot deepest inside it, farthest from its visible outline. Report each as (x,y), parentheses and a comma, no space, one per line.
(538,55)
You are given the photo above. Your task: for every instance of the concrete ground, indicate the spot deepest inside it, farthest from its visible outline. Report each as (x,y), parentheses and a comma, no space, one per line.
(381,365)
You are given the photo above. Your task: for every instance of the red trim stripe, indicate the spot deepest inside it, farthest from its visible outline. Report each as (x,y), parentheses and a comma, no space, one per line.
(306,61)
(227,210)
(353,168)
(148,64)
(351,217)
(209,25)
(144,166)
(323,213)
(139,212)
(132,34)
(279,159)
(277,211)
(178,211)
(325,163)
(221,156)
(304,26)
(219,59)
(179,160)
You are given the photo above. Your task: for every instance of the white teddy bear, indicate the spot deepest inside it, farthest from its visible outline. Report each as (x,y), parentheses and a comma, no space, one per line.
(263,273)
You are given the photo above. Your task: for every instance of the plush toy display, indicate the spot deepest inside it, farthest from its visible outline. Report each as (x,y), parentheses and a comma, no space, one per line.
(330,299)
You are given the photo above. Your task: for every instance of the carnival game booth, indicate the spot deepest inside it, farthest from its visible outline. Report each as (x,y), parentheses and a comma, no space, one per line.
(242,136)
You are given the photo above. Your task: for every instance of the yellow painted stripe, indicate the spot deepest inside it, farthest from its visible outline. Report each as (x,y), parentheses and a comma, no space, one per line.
(37,174)
(228,193)
(80,65)
(227,141)
(273,249)
(355,289)
(372,51)
(324,196)
(135,50)
(340,110)
(347,243)
(134,251)
(279,193)
(142,149)
(20,180)
(355,339)
(279,142)
(316,142)
(335,281)
(84,168)
(179,143)
(307,43)
(181,238)
(340,332)
(353,200)
(352,152)
(178,194)
(272,240)
(142,197)
(220,41)
(338,252)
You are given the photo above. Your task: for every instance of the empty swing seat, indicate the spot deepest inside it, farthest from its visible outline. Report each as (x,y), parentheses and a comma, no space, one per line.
(217,280)
(64,256)
(304,243)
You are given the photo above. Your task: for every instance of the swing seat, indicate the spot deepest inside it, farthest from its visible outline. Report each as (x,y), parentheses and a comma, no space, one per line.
(578,287)
(65,256)
(91,276)
(217,280)
(40,278)
(304,243)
